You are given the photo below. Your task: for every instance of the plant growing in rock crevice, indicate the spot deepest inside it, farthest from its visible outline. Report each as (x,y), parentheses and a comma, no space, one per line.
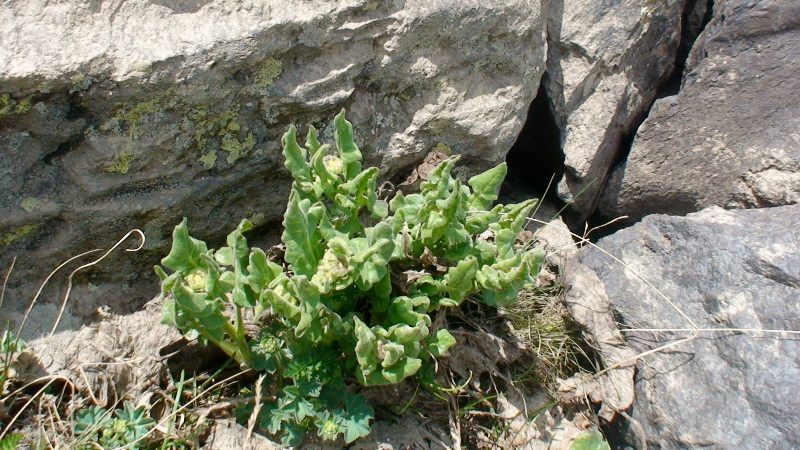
(357,288)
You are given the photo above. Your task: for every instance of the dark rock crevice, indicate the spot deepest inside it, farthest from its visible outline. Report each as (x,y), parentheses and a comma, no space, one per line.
(536,160)
(695,17)
(65,147)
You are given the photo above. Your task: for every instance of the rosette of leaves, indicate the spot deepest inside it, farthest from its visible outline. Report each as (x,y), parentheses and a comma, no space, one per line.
(360,280)
(313,395)
(126,427)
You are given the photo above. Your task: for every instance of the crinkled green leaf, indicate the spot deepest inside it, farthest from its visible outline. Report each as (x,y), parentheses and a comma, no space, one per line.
(404,333)
(380,209)
(184,255)
(485,187)
(346,144)
(513,217)
(318,323)
(188,309)
(439,343)
(362,187)
(295,157)
(439,180)
(501,274)
(366,346)
(218,281)
(237,254)
(329,180)
(535,258)
(427,286)
(301,236)
(361,192)
(407,210)
(392,353)
(459,280)
(478,222)
(376,255)
(224,256)
(486,252)
(261,272)
(371,256)
(226,281)
(283,301)
(504,240)
(311,140)
(336,268)
(371,355)
(410,310)
(399,372)
(238,243)
(398,202)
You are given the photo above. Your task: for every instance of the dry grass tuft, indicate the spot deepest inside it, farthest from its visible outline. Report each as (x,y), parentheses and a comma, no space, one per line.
(542,323)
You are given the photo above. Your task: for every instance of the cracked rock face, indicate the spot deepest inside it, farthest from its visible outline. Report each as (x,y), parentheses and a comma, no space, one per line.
(731,136)
(721,269)
(605,63)
(133,114)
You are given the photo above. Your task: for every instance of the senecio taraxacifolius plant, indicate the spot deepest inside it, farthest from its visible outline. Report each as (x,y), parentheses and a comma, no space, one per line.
(359,281)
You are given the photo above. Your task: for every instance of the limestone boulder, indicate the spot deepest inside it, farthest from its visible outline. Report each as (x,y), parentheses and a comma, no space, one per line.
(127,114)
(606,62)
(730,136)
(712,270)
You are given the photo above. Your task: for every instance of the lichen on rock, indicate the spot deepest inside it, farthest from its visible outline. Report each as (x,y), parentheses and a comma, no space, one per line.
(271,69)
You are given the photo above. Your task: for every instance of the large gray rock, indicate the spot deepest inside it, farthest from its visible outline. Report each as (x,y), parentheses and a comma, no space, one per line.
(135,113)
(722,269)
(730,137)
(606,61)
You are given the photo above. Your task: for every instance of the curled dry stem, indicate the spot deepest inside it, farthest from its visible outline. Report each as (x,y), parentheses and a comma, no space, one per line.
(71,275)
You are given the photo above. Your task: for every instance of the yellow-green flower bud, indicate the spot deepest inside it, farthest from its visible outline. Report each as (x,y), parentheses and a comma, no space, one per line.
(267,345)
(281,292)
(197,280)
(330,270)
(333,164)
(329,430)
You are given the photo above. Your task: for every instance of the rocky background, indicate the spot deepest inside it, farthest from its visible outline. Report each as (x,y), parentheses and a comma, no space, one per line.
(117,115)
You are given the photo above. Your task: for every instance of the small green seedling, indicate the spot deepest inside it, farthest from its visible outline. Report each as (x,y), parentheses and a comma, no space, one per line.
(126,427)
(10,346)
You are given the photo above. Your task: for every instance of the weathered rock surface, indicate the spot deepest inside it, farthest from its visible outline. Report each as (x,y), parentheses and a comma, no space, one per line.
(605,63)
(133,114)
(722,269)
(730,137)
(118,357)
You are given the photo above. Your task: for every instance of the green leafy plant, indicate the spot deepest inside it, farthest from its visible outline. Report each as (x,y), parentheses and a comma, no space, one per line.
(10,343)
(10,346)
(590,440)
(315,396)
(126,427)
(10,441)
(357,288)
